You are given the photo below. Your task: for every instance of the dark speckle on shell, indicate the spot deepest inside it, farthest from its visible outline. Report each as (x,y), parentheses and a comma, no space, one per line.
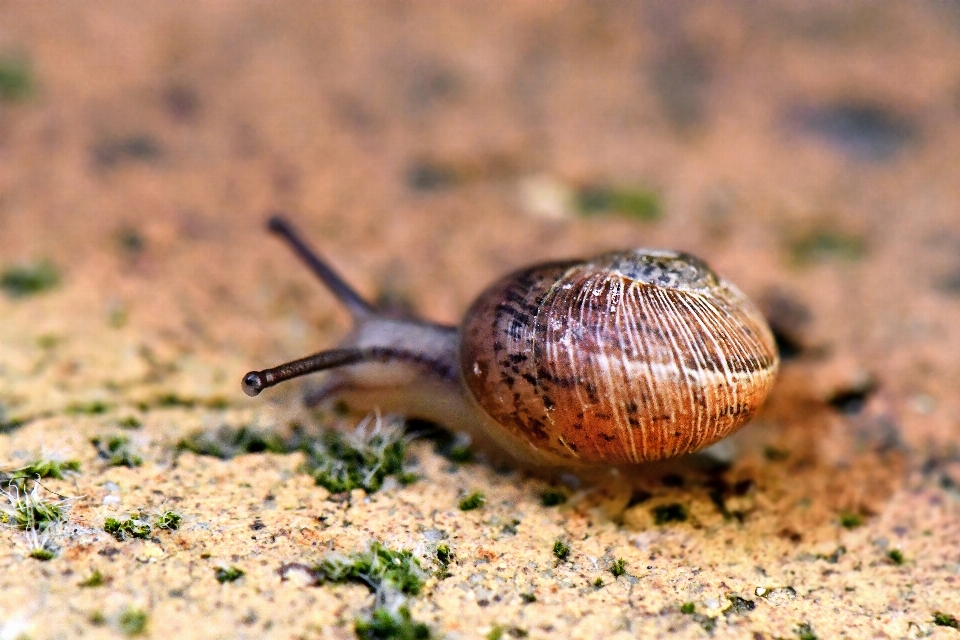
(629,357)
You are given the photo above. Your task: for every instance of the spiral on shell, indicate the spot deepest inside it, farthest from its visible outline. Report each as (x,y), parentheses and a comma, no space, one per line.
(629,357)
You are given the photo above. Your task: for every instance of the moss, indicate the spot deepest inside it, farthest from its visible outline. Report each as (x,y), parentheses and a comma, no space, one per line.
(444,555)
(945,620)
(129,528)
(96,579)
(850,520)
(687,608)
(496,633)
(561,550)
(133,622)
(97,619)
(666,513)
(228,442)
(9,424)
(826,244)
(376,568)
(31,513)
(598,583)
(895,556)
(228,574)
(805,632)
(27,280)
(338,461)
(43,554)
(16,78)
(93,408)
(129,422)
(552,498)
(168,400)
(169,520)
(117,451)
(618,568)
(472,501)
(385,624)
(634,202)
(528,597)
(38,469)
(343,462)
(706,623)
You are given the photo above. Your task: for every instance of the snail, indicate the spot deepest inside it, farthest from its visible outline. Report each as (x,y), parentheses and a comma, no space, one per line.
(628,357)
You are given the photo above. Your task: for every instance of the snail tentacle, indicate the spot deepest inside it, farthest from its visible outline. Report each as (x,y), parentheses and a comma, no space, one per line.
(356,304)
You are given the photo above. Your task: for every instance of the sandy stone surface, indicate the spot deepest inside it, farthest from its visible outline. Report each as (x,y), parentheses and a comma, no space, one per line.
(810,153)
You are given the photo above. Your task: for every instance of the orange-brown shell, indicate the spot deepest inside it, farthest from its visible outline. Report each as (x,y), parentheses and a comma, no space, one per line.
(629,357)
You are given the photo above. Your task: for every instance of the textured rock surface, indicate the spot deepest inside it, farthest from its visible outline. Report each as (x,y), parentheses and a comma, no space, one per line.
(808,154)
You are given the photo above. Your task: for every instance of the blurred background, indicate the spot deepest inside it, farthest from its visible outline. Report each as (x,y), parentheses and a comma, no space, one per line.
(808,152)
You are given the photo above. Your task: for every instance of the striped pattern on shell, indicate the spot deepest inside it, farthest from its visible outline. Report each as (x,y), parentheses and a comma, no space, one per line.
(629,357)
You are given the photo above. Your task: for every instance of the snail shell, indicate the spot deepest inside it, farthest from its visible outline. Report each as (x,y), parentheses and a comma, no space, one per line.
(629,357)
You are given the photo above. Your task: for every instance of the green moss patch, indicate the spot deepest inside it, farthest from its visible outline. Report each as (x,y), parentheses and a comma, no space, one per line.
(169,520)
(117,451)
(133,622)
(631,201)
(618,568)
(385,624)
(37,470)
(16,78)
(228,574)
(945,620)
(472,501)
(377,568)
(31,513)
(21,281)
(137,527)
(338,461)
(823,245)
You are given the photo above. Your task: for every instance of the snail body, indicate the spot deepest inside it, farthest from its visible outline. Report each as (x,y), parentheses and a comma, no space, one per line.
(625,358)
